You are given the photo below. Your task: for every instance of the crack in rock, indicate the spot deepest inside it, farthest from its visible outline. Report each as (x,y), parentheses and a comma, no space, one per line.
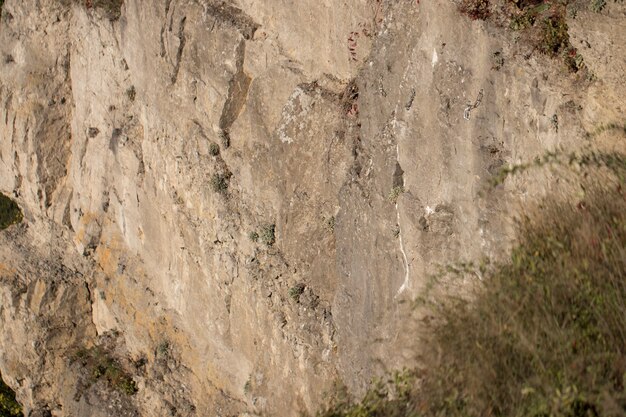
(237,92)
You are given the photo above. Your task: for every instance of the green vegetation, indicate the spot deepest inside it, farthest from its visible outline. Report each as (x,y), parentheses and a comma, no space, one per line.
(555,36)
(296,291)
(111,8)
(131,93)
(614,162)
(10,213)
(219,183)
(541,335)
(268,234)
(395,193)
(214,149)
(598,5)
(164,348)
(541,23)
(9,407)
(101,366)
(388,398)
(475,9)
(247,387)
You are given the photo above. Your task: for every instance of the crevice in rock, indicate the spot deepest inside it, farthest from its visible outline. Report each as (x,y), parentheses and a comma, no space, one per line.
(398,176)
(182,39)
(228,14)
(314,88)
(52,138)
(162,35)
(237,92)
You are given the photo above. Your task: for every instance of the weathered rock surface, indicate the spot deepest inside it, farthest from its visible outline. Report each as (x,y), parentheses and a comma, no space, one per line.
(147,151)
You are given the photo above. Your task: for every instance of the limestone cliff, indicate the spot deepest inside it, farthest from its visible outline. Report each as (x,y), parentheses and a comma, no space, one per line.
(233,202)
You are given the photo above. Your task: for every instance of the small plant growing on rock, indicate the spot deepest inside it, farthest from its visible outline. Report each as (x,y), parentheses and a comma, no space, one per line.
(555,36)
(253,236)
(131,93)
(296,291)
(598,5)
(100,365)
(219,183)
(395,193)
(111,8)
(164,348)
(247,387)
(498,61)
(93,132)
(214,149)
(475,9)
(268,234)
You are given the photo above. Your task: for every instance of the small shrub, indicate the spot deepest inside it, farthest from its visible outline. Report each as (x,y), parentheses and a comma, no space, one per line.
(475,9)
(131,93)
(395,193)
(268,234)
(214,149)
(219,183)
(253,236)
(597,5)
(247,387)
(164,348)
(522,21)
(555,37)
(296,291)
(10,212)
(101,366)
(497,60)
(384,398)
(554,122)
(93,132)
(111,8)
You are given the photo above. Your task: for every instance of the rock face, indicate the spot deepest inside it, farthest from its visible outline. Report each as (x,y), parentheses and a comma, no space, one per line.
(236,201)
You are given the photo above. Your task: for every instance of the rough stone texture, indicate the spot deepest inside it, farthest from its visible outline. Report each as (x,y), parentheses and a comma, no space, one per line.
(319,108)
